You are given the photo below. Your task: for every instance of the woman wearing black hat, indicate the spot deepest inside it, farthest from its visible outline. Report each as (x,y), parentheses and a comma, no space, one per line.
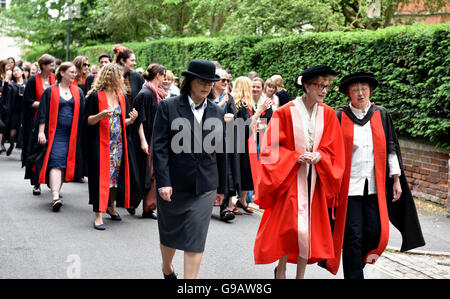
(374,188)
(189,167)
(301,169)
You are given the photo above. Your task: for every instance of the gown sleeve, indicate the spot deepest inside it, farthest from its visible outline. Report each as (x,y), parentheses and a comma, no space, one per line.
(278,162)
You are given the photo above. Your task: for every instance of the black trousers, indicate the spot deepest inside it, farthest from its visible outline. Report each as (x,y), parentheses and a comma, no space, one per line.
(362,233)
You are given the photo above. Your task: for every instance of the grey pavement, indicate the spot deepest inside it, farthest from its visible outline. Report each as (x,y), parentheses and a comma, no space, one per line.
(38,243)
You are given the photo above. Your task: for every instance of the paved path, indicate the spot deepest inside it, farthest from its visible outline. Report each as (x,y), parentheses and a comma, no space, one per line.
(37,243)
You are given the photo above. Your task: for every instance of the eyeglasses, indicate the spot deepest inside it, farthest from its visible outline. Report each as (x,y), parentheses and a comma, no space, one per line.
(204,82)
(323,87)
(360,89)
(86,64)
(225,80)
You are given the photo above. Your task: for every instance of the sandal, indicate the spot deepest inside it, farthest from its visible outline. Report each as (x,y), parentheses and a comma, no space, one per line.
(246,208)
(237,212)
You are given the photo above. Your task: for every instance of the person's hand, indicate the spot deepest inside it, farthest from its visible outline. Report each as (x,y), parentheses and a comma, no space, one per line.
(219,199)
(106,113)
(8,76)
(267,104)
(144,146)
(133,115)
(314,158)
(309,158)
(162,93)
(41,138)
(397,189)
(165,193)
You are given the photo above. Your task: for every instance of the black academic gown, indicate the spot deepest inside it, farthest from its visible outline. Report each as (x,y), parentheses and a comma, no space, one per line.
(29,113)
(136,83)
(93,161)
(37,155)
(146,105)
(15,99)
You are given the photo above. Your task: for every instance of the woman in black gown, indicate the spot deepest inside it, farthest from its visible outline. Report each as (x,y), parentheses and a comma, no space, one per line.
(58,133)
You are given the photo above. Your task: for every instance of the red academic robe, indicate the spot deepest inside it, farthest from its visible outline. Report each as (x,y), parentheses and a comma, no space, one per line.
(290,225)
(380,158)
(52,124)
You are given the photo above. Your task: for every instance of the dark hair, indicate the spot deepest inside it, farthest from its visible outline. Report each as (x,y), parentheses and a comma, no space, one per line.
(152,70)
(20,68)
(122,53)
(185,87)
(105,55)
(62,68)
(45,60)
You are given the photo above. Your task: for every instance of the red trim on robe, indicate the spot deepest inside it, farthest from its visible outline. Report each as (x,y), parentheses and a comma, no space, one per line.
(104,153)
(52,124)
(380,158)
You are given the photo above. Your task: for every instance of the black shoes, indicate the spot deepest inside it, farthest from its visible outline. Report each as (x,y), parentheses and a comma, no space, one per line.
(171,276)
(114,217)
(10,149)
(150,214)
(132,211)
(226,215)
(37,190)
(57,204)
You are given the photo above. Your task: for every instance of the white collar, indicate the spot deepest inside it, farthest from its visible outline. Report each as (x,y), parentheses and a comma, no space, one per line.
(360,113)
(192,103)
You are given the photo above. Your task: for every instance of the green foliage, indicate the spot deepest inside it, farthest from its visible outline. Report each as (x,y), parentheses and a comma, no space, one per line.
(412,64)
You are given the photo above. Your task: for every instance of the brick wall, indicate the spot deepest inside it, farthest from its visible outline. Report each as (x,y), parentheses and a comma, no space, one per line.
(427,171)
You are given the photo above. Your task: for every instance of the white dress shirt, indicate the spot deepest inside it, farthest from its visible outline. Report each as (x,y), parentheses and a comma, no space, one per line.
(198,113)
(363,166)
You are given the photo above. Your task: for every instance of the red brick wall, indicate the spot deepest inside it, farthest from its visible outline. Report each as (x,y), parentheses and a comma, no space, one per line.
(427,171)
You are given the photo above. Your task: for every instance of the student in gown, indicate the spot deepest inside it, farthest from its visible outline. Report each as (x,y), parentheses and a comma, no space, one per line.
(302,162)
(146,103)
(110,154)
(82,65)
(32,96)
(374,188)
(133,80)
(190,173)
(14,102)
(59,129)
(103,60)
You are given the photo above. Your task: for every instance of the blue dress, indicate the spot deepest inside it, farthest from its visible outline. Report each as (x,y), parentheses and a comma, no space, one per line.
(60,147)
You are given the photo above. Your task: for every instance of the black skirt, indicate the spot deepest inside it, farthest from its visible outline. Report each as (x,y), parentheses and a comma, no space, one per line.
(183,223)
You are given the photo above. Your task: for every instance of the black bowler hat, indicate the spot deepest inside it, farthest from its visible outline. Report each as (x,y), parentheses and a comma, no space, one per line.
(366,77)
(318,70)
(203,69)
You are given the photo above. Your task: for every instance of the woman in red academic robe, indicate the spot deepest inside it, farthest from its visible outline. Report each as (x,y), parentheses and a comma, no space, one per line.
(110,155)
(32,96)
(59,129)
(302,162)
(374,189)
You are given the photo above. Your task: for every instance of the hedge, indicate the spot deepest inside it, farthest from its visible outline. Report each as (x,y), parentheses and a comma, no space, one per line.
(412,64)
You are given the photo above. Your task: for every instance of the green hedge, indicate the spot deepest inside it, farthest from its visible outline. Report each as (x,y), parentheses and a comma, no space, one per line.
(412,64)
